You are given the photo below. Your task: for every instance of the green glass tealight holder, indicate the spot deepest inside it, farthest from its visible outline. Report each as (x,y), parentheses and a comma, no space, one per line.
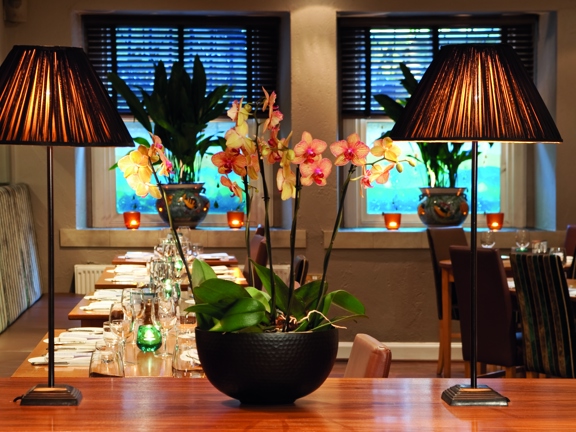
(149,338)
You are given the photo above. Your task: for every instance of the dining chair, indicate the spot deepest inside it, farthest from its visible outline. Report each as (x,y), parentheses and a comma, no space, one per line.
(440,239)
(369,358)
(547,316)
(258,254)
(498,342)
(300,269)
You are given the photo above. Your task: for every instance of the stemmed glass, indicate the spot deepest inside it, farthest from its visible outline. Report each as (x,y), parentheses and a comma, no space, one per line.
(120,323)
(487,239)
(165,316)
(522,239)
(133,305)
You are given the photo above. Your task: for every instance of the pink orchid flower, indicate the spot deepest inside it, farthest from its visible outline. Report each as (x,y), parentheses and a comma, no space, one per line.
(315,172)
(233,186)
(286,183)
(230,160)
(308,149)
(352,150)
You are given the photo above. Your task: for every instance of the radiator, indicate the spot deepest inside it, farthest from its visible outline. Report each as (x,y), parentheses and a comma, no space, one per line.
(86,275)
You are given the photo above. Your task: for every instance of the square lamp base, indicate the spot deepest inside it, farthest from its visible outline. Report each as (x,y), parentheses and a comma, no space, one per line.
(465,395)
(43,395)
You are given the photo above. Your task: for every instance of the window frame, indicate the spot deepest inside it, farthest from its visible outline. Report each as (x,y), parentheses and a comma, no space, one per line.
(513,168)
(101,180)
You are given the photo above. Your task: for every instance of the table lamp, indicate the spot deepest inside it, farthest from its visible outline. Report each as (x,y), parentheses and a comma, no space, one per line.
(52,96)
(471,93)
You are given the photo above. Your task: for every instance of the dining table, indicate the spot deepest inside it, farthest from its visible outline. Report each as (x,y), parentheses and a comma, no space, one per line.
(136,363)
(219,258)
(340,404)
(447,275)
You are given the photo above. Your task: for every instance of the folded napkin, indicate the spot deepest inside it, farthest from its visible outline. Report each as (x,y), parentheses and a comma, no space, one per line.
(65,361)
(130,269)
(130,278)
(218,255)
(190,355)
(137,254)
(79,336)
(223,270)
(226,277)
(90,330)
(98,305)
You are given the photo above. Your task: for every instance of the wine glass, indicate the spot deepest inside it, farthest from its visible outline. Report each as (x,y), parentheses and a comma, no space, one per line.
(133,303)
(522,239)
(120,323)
(487,239)
(165,316)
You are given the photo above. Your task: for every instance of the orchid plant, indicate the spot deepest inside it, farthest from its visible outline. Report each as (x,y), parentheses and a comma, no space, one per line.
(225,306)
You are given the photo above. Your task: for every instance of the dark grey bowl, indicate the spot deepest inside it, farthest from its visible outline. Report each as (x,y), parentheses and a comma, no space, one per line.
(267,368)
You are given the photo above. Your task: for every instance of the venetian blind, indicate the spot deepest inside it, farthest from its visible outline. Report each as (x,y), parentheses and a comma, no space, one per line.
(241,53)
(370,51)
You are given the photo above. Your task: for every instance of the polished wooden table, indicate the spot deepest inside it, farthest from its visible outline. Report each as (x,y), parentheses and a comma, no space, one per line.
(88,318)
(446,322)
(139,364)
(340,404)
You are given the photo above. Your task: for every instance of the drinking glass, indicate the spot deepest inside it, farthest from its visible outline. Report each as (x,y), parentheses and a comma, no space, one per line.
(185,361)
(133,304)
(522,239)
(105,362)
(560,251)
(197,249)
(164,316)
(487,239)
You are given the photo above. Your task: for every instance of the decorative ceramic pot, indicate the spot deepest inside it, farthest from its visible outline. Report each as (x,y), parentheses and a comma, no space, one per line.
(188,206)
(267,368)
(442,206)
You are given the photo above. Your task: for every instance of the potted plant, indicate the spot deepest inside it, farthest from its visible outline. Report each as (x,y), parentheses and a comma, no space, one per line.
(278,344)
(441,202)
(177,112)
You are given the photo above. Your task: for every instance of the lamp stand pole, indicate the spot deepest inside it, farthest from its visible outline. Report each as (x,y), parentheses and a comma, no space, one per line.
(42,394)
(473,394)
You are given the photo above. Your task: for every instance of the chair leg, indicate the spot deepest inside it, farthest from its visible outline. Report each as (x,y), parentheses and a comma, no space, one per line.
(466,369)
(532,374)
(440,351)
(510,372)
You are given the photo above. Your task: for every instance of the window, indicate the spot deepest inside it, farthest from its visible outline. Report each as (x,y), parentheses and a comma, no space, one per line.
(370,51)
(241,53)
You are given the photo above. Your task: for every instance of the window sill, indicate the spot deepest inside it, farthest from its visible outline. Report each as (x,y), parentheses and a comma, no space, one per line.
(150,237)
(415,238)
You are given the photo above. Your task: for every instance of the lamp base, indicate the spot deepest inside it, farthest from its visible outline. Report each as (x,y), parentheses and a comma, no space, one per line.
(43,395)
(465,395)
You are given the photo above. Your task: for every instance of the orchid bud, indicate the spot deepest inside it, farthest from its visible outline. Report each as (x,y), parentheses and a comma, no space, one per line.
(399,167)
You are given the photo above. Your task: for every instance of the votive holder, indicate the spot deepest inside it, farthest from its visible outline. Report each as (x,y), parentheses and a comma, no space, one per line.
(235,219)
(392,220)
(132,219)
(495,221)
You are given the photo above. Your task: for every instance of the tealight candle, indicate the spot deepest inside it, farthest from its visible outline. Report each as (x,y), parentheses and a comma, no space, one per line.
(494,221)
(392,220)
(235,219)
(132,219)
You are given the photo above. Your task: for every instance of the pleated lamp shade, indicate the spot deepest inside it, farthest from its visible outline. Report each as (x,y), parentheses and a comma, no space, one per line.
(476,92)
(52,96)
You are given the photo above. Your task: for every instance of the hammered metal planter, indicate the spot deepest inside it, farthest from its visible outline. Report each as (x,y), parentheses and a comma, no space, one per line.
(442,206)
(188,206)
(267,368)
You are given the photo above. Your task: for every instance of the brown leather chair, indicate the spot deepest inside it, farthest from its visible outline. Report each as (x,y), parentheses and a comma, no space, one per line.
(498,342)
(300,269)
(440,239)
(369,358)
(258,254)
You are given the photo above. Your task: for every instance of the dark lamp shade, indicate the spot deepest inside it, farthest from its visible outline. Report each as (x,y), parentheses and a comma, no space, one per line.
(476,92)
(53,96)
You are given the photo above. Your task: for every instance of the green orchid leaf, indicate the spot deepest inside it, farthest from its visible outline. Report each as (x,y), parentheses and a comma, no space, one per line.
(261,296)
(201,272)
(296,308)
(343,299)
(206,309)
(219,293)
(308,294)
(243,313)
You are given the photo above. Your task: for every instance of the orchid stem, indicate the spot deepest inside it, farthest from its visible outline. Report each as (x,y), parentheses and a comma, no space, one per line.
(293,246)
(247,226)
(337,223)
